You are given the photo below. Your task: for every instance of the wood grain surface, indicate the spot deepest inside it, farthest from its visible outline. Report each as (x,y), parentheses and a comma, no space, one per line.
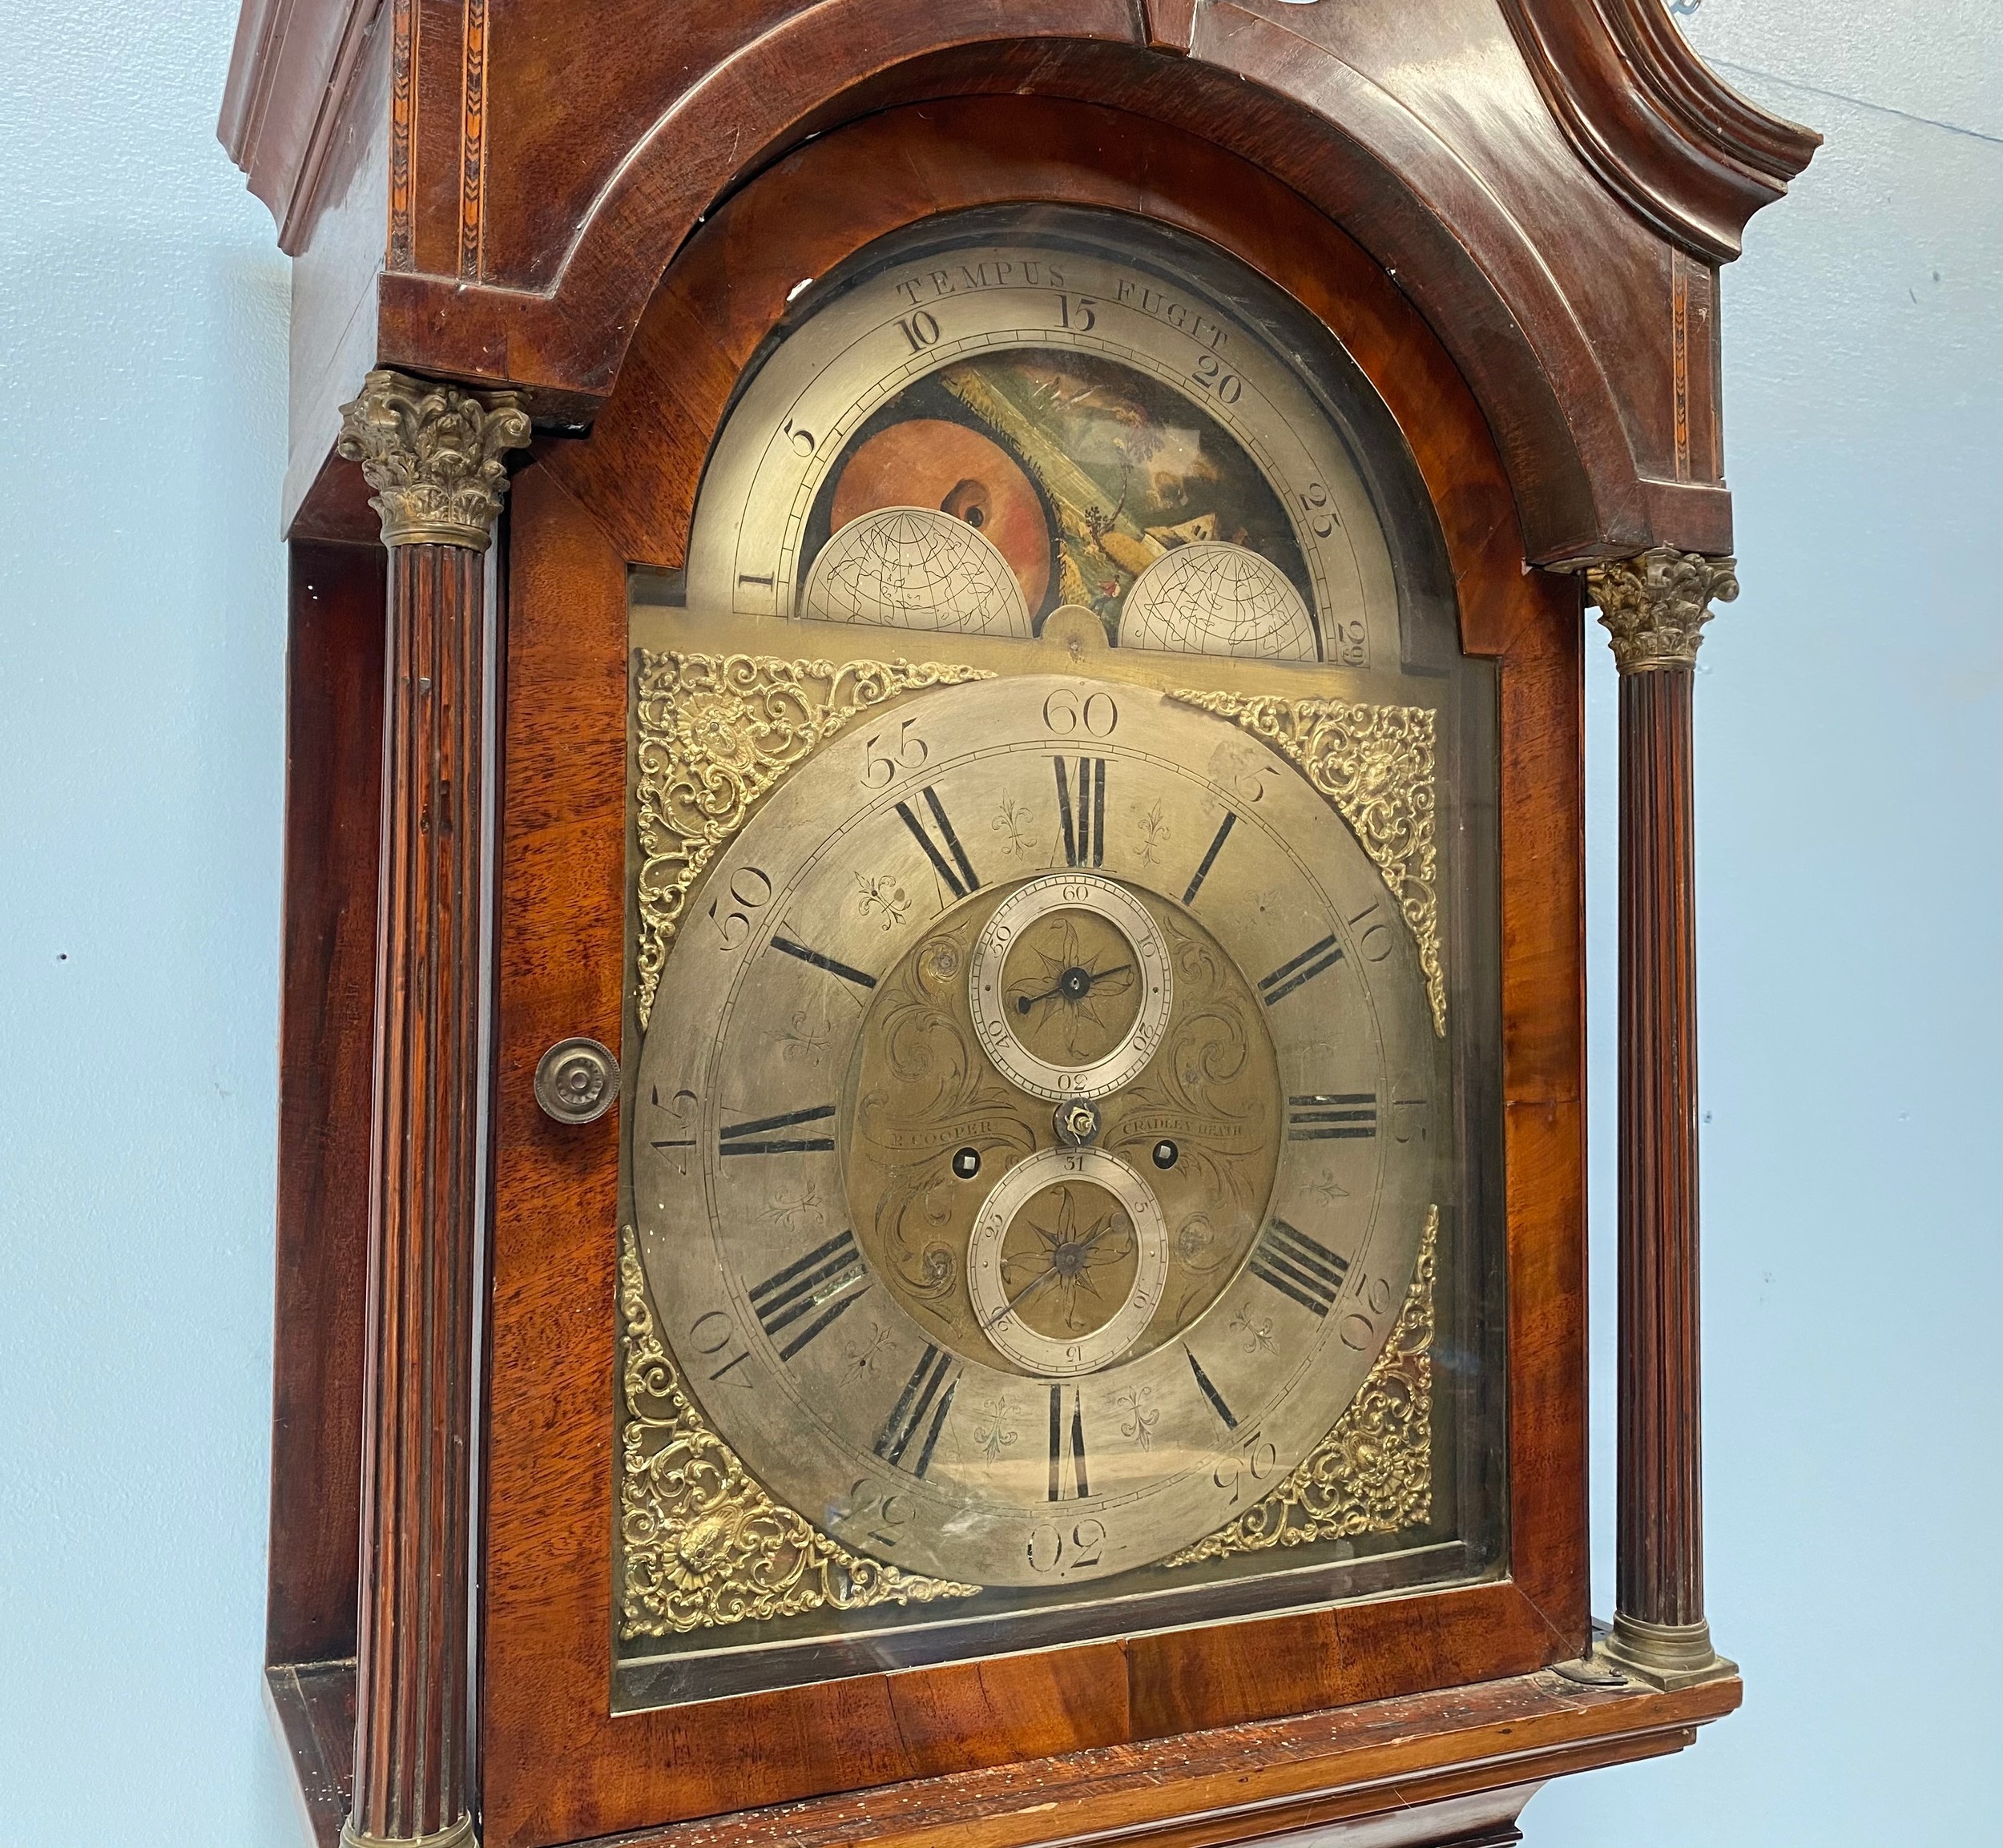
(559,1765)
(333,780)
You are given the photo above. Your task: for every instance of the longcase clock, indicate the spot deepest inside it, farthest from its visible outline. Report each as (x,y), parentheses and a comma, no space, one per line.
(932,1163)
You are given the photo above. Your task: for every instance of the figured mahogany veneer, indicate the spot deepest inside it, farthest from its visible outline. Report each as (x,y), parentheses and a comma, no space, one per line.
(560,1766)
(1452,1769)
(334,778)
(1537,174)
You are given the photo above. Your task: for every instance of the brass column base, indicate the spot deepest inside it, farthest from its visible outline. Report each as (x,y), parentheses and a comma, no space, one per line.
(1664,1656)
(459,1835)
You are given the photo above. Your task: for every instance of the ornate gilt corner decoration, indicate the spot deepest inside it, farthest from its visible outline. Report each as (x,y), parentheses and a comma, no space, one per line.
(701,1542)
(1373,1472)
(713,733)
(1375,764)
(1654,606)
(433,453)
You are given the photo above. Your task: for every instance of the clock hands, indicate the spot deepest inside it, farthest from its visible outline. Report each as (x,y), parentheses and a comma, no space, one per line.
(1067,1260)
(1074,984)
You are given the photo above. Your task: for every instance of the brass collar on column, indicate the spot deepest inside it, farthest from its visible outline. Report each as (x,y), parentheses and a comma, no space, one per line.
(433,454)
(1654,606)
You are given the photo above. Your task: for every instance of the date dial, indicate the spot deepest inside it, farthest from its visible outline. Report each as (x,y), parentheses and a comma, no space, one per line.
(1068,1261)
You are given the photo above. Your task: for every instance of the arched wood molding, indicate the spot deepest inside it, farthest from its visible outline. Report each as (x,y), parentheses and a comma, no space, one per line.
(1685,152)
(639,472)
(1277,90)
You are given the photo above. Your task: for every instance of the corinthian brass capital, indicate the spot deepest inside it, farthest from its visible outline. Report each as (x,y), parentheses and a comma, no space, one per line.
(433,453)
(1654,606)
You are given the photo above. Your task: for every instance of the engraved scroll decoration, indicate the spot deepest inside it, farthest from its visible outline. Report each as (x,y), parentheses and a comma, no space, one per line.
(702,1543)
(712,734)
(1373,1472)
(1375,764)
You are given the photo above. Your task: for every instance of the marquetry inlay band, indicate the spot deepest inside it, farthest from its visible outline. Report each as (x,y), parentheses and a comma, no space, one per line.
(1654,606)
(433,454)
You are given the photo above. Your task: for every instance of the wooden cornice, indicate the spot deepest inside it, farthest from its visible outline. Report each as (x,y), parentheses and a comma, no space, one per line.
(289,73)
(1673,143)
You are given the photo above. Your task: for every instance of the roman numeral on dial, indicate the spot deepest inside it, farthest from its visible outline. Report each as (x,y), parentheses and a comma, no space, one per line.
(1331,1117)
(1203,1386)
(1081,803)
(1067,1445)
(756,1138)
(919,1414)
(1304,968)
(1210,856)
(825,1279)
(1298,1267)
(848,973)
(948,858)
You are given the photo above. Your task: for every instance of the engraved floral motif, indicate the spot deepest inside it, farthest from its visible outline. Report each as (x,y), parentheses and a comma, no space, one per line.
(1012,822)
(713,733)
(702,1543)
(1375,764)
(1373,1472)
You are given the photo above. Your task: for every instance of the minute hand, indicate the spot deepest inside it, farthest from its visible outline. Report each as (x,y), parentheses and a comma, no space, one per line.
(1037,1283)
(1024,1003)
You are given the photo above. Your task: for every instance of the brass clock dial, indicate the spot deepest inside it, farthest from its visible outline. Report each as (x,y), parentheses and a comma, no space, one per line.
(1017,1154)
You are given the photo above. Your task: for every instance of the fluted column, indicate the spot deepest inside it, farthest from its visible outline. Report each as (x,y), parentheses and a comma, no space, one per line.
(433,454)
(1654,607)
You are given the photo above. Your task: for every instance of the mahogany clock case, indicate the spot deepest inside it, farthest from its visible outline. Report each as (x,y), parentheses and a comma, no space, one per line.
(560,1765)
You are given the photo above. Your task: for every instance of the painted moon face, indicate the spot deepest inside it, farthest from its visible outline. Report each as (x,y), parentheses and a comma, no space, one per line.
(928,462)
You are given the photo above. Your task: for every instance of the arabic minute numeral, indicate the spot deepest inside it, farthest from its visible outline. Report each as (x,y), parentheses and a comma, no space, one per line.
(713,1337)
(888,754)
(879,1514)
(1098,713)
(749,889)
(921,330)
(1052,1548)
(1246,1472)
(1211,376)
(1075,312)
(1321,517)
(802,440)
(1358,1327)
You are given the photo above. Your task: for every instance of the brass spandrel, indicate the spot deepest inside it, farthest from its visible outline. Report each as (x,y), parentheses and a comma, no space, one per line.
(1376,765)
(1373,1472)
(713,733)
(701,1544)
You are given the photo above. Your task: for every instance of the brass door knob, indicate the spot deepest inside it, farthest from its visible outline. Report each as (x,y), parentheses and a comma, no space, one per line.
(576,1081)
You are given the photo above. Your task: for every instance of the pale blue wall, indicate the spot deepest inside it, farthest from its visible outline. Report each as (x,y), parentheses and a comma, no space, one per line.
(1850,905)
